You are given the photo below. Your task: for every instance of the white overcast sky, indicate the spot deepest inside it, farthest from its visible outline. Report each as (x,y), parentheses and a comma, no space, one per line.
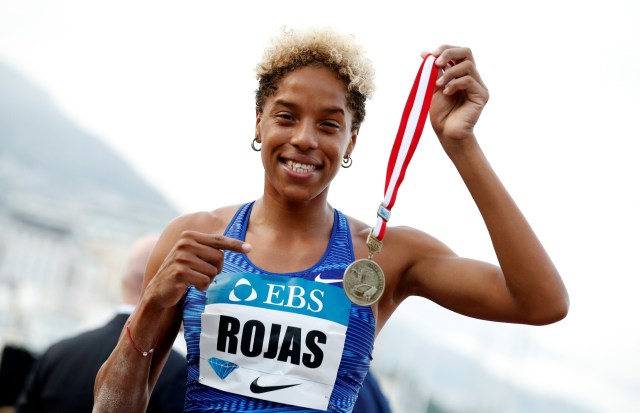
(169,85)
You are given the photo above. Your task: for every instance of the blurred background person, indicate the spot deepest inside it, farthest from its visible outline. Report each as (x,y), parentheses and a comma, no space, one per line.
(63,377)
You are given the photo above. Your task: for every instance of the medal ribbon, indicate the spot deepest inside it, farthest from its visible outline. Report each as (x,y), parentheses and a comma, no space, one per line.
(413,119)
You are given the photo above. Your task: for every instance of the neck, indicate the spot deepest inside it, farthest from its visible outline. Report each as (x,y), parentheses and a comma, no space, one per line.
(288,236)
(303,218)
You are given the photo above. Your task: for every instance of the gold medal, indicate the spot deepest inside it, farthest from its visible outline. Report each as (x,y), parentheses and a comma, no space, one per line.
(363,280)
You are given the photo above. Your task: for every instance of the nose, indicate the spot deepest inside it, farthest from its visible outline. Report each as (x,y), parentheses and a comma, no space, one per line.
(305,136)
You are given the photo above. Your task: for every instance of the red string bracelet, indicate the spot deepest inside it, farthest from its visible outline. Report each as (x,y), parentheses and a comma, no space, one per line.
(144,353)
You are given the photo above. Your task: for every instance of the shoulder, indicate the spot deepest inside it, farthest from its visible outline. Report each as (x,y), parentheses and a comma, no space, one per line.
(416,241)
(358,228)
(355,225)
(399,241)
(203,221)
(70,344)
(212,222)
(76,347)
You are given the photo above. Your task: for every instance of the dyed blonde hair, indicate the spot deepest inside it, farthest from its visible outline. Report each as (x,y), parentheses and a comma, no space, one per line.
(322,47)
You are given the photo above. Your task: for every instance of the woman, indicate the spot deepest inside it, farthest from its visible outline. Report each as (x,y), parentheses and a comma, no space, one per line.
(267,326)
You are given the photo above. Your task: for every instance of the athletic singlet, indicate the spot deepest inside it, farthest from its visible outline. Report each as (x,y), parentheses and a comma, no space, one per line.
(358,346)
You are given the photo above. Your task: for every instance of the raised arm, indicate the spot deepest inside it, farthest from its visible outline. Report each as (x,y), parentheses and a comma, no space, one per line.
(183,256)
(526,287)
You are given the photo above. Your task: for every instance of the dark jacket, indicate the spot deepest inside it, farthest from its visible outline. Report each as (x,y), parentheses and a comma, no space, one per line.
(63,377)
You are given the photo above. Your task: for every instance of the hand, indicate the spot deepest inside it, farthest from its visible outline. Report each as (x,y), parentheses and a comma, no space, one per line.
(195,259)
(460,94)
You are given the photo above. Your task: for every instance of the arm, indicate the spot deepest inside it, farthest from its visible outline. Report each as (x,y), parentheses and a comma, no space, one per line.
(182,257)
(526,287)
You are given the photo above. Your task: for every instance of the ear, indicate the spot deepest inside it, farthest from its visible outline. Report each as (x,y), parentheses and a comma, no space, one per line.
(258,120)
(352,141)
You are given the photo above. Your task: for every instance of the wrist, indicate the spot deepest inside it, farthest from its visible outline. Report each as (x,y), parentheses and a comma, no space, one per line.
(460,149)
(143,325)
(143,351)
(148,311)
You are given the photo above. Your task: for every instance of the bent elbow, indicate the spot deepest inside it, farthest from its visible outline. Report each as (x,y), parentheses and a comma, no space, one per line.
(552,313)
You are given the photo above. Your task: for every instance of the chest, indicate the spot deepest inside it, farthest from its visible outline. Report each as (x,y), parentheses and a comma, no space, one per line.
(281,254)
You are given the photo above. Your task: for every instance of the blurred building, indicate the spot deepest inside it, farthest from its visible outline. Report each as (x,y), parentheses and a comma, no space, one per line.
(60,263)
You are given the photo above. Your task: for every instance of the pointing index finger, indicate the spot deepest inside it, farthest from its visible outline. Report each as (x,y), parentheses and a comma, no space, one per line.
(222,242)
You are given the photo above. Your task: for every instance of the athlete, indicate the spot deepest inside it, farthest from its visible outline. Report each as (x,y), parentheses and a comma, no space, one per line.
(259,285)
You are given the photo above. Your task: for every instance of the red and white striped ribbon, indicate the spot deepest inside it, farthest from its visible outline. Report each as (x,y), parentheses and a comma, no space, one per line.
(411,125)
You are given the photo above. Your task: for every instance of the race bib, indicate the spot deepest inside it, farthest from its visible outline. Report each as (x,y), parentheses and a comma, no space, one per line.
(273,338)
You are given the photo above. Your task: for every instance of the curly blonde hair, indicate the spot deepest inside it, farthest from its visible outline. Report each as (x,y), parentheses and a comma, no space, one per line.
(317,47)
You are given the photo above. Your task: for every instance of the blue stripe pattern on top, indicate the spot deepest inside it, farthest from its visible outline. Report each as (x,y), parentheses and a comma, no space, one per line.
(358,347)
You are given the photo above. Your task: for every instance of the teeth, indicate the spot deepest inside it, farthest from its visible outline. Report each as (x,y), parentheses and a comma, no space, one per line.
(300,167)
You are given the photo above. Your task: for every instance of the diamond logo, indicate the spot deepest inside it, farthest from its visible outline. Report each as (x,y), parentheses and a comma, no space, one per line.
(221,367)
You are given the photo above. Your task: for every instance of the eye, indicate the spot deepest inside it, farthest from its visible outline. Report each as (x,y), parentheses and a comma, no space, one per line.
(330,125)
(284,118)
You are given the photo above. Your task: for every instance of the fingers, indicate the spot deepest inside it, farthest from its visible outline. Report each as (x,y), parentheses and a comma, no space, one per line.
(458,70)
(200,276)
(204,253)
(448,56)
(217,241)
(451,55)
(462,76)
(196,257)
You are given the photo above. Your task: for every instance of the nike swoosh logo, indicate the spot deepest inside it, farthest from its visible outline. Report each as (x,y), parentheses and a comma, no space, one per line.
(327,280)
(256,388)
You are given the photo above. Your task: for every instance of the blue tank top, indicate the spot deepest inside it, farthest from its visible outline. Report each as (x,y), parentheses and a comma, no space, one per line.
(358,346)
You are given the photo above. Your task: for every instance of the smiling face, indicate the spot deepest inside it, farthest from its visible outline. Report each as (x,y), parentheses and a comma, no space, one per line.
(305,131)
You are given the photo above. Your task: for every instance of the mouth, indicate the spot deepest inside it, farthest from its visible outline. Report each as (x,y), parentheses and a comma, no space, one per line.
(300,168)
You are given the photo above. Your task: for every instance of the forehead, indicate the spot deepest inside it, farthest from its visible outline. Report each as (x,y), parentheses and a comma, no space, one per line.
(312,85)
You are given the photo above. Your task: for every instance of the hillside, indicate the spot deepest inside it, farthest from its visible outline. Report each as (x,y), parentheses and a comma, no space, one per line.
(44,152)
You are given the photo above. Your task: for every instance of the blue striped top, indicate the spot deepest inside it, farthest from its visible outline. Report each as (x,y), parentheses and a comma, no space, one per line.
(358,346)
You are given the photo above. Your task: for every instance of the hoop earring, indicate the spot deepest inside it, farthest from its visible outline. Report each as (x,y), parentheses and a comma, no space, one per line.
(347,161)
(253,145)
